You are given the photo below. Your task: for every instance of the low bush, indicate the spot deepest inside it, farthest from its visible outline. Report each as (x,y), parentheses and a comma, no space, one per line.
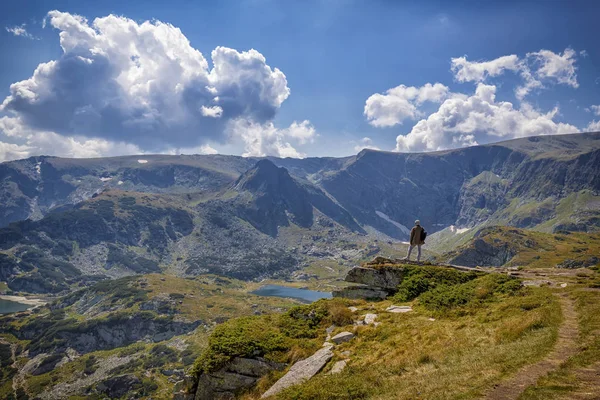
(286,337)
(419,280)
(241,337)
(446,297)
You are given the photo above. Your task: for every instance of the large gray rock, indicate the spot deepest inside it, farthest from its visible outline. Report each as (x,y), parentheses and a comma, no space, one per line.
(301,371)
(383,277)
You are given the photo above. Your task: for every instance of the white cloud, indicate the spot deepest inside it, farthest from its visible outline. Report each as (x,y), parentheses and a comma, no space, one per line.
(265,139)
(478,119)
(401,103)
(11,151)
(559,67)
(474,71)
(37,142)
(20,30)
(214,111)
(536,68)
(595,109)
(143,83)
(593,126)
(206,149)
(365,143)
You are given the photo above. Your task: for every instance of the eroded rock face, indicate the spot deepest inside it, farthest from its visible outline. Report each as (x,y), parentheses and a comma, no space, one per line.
(376,283)
(238,375)
(384,277)
(104,334)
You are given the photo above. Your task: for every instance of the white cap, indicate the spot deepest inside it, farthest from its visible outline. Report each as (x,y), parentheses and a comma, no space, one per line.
(417,222)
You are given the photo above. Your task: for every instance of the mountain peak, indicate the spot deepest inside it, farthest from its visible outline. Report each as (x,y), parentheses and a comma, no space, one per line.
(264,177)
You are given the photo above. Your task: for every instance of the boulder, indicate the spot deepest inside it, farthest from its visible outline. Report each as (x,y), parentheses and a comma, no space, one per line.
(301,371)
(342,337)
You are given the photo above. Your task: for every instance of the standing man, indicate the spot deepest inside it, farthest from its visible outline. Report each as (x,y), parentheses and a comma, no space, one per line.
(416,239)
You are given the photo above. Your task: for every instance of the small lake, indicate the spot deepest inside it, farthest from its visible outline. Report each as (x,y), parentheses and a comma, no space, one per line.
(304,295)
(8,306)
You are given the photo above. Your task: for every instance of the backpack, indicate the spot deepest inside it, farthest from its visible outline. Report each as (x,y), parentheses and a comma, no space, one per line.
(423,234)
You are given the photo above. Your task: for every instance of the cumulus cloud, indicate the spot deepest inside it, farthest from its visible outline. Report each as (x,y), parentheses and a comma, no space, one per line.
(12,151)
(593,126)
(401,103)
(474,71)
(265,139)
(365,143)
(144,84)
(478,119)
(36,142)
(536,69)
(20,30)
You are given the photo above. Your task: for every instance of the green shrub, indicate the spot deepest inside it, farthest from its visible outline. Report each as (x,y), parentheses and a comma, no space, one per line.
(419,280)
(303,321)
(487,287)
(444,298)
(241,337)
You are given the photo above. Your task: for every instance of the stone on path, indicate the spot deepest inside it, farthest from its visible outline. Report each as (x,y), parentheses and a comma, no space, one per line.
(398,309)
(370,318)
(563,285)
(338,367)
(301,371)
(353,309)
(342,337)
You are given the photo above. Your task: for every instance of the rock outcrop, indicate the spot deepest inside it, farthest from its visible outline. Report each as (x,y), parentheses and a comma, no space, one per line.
(375,283)
(238,375)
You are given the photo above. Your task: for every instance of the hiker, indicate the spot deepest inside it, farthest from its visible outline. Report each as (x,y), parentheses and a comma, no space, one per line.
(417,238)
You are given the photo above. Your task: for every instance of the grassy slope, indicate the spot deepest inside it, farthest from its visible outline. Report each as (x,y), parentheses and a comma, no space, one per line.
(538,249)
(467,348)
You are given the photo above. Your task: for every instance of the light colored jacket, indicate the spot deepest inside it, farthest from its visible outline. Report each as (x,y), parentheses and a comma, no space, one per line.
(415,235)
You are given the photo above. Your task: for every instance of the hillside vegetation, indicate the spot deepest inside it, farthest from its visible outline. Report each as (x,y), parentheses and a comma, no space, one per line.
(506,246)
(466,333)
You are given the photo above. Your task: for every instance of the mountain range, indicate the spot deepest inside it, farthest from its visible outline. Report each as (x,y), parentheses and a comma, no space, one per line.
(68,222)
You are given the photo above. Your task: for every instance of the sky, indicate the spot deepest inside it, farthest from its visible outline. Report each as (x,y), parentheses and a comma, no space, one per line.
(291,78)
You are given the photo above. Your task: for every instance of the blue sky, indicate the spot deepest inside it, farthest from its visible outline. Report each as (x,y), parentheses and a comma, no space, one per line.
(334,58)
